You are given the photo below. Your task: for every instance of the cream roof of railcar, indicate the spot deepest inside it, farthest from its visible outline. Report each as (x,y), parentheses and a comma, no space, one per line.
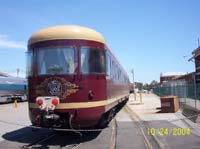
(66,32)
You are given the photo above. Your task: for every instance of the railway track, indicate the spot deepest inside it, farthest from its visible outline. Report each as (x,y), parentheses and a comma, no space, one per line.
(79,138)
(44,138)
(56,138)
(113,134)
(40,140)
(149,141)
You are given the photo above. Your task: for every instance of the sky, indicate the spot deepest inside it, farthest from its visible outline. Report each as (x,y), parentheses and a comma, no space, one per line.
(149,36)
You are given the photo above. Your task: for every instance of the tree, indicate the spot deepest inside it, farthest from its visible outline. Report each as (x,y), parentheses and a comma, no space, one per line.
(139,85)
(153,83)
(146,87)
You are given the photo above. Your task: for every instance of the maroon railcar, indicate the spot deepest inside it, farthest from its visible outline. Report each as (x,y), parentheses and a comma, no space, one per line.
(74,80)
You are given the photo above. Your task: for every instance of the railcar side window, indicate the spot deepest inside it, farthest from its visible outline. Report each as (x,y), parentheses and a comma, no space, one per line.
(108,63)
(55,60)
(113,69)
(29,61)
(92,60)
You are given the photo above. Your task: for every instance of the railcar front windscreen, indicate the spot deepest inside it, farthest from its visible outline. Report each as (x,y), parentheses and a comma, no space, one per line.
(55,60)
(92,60)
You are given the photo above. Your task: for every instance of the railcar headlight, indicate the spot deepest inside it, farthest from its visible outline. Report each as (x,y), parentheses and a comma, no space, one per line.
(55,101)
(41,103)
(47,102)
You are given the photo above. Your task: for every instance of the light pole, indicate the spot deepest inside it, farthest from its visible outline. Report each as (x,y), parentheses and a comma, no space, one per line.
(195,91)
(194,82)
(132,71)
(18,72)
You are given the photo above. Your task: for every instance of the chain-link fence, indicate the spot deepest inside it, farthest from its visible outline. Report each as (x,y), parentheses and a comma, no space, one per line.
(187,93)
(182,91)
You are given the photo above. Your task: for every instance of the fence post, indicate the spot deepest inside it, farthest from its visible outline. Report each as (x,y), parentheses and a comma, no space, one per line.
(134,96)
(140,97)
(15,103)
(195,91)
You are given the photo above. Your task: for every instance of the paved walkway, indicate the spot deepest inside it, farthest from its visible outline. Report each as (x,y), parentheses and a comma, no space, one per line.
(12,118)
(148,114)
(147,109)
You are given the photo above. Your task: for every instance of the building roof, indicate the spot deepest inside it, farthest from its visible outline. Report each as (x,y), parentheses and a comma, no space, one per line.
(188,76)
(3,74)
(66,32)
(172,74)
(196,50)
(12,80)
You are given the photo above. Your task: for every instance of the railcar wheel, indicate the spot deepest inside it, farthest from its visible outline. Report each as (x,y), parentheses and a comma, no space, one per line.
(111,115)
(106,118)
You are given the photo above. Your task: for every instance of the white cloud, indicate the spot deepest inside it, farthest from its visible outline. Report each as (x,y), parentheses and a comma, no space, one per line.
(6,43)
(3,36)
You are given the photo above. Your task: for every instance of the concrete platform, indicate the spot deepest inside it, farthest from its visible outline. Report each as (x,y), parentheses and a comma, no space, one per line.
(15,133)
(13,117)
(132,128)
(146,111)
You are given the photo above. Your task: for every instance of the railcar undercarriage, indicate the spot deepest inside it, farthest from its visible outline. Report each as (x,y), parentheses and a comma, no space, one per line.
(51,119)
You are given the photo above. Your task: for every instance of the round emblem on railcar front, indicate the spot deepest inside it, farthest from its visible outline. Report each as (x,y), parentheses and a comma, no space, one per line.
(54,88)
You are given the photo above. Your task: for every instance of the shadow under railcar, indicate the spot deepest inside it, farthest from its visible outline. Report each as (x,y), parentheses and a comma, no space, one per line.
(43,138)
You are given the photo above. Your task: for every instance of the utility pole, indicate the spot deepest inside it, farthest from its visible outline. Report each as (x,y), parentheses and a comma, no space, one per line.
(18,72)
(195,84)
(195,91)
(132,71)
